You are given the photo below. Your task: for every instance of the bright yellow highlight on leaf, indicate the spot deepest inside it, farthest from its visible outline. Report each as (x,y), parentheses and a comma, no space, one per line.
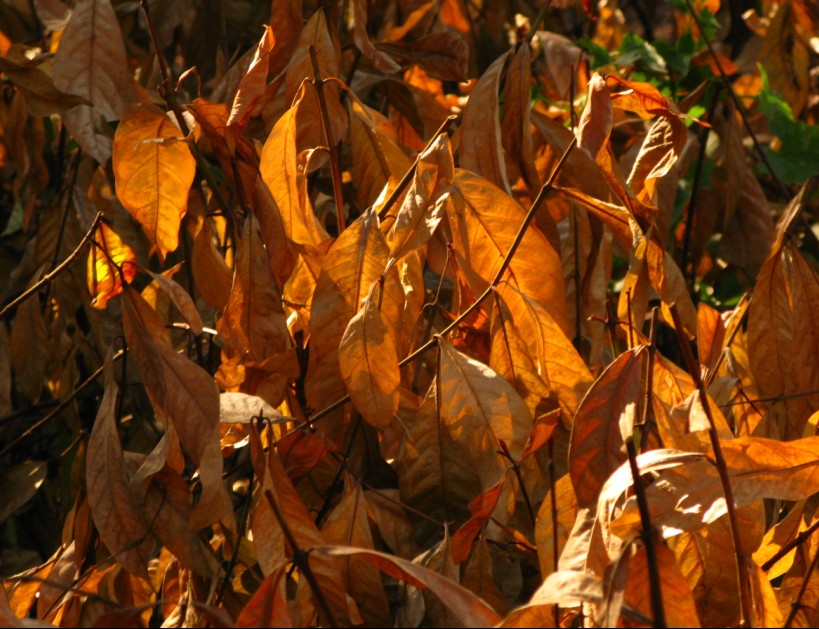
(154,171)
(106,272)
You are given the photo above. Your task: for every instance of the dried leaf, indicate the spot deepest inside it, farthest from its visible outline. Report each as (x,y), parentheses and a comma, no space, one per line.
(369,365)
(91,62)
(153,178)
(108,268)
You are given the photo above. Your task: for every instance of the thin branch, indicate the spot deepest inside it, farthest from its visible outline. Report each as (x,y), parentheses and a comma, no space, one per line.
(794,543)
(63,405)
(722,467)
(300,558)
(737,101)
(335,169)
(57,269)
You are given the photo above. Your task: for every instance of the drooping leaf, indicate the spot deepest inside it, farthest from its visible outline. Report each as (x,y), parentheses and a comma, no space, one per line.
(481,150)
(91,62)
(153,177)
(369,365)
(118,517)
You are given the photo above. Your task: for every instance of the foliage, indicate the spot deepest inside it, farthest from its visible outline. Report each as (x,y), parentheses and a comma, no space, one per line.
(408,313)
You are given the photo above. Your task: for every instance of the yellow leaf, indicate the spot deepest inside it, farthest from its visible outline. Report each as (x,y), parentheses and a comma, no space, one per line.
(369,365)
(153,177)
(106,272)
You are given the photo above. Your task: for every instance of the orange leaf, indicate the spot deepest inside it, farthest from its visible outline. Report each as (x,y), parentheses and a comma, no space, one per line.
(153,177)
(268,606)
(595,124)
(481,507)
(104,278)
(369,365)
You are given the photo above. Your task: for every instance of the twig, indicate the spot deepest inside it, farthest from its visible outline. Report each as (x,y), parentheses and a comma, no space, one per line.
(648,400)
(784,550)
(335,169)
(63,405)
(57,269)
(740,107)
(300,558)
(692,203)
(796,604)
(168,93)
(722,468)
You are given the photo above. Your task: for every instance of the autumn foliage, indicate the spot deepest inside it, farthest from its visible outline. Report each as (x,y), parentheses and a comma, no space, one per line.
(409,313)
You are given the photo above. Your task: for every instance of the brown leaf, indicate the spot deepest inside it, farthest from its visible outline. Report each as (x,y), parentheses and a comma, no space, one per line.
(678,602)
(268,606)
(480,133)
(153,178)
(21,482)
(468,608)
(253,85)
(422,209)
(348,524)
(549,542)
(184,394)
(42,98)
(279,171)
(369,365)
(595,124)
(479,577)
(211,274)
(29,344)
(444,55)
(91,62)
(382,62)
(604,419)
(516,132)
(481,507)
(117,514)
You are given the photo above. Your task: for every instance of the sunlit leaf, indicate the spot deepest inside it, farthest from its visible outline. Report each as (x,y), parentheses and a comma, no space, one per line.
(153,178)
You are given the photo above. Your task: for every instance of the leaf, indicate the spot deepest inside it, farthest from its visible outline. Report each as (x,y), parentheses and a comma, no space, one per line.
(369,365)
(153,178)
(783,336)
(268,605)
(29,345)
(423,209)
(279,171)
(91,62)
(480,146)
(180,298)
(558,362)
(211,274)
(604,418)
(678,601)
(515,121)
(106,272)
(468,608)
(433,474)
(348,524)
(21,482)
(776,537)
(117,514)
(352,265)
(481,410)
(550,542)
(484,222)
(253,85)
(690,497)
(184,394)
(444,55)
(42,98)
(481,507)
(479,577)
(380,61)
(241,408)
(597,118)
(662,147)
